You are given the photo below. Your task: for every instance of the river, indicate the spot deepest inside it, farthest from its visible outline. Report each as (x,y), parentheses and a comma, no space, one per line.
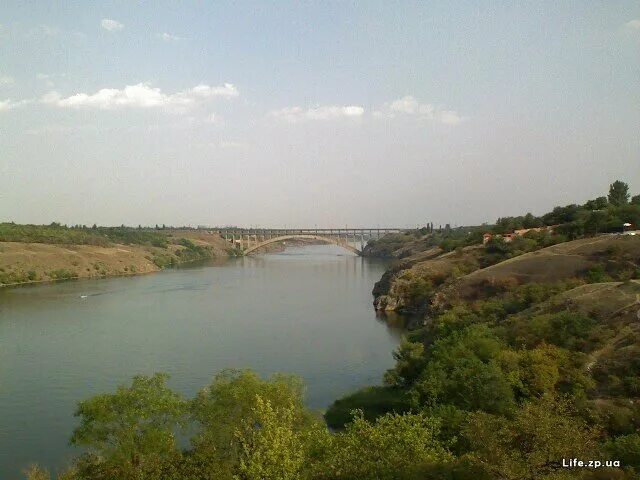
(306,311)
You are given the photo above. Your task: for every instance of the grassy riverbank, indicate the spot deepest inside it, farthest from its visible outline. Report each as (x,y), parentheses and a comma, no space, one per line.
(43,253)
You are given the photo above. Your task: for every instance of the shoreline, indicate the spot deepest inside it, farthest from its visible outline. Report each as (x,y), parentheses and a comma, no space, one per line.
(30,263)
(142,254)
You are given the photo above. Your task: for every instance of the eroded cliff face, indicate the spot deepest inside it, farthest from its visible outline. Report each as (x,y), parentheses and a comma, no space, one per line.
(413,285)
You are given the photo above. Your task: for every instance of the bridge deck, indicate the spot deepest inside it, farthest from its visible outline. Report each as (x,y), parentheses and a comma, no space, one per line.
(248,240)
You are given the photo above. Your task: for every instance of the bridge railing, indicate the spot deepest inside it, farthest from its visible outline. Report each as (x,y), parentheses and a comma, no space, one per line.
(249,238)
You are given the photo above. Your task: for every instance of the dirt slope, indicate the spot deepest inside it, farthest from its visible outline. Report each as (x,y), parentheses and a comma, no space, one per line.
(39,262)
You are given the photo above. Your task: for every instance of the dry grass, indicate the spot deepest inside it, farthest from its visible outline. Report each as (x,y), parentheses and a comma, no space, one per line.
(39,262)
(555,263)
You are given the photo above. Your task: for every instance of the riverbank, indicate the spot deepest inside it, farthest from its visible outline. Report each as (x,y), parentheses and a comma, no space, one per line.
(23,263)
(32,262)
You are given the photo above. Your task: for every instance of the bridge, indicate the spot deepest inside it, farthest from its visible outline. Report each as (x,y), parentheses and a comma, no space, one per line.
(248,240)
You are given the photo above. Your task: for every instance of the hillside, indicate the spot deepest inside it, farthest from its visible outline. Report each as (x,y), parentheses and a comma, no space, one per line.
(30,262)
(593,259)
(421,283)
(521,360)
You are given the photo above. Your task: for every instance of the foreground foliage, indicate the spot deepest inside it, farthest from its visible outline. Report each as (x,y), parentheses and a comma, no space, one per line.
(244,428)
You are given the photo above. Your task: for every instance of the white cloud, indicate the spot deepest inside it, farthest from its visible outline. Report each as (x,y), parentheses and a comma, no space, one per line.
(409,106)
(111,25)
(6,105)
(297,114)
(142,95)
(5,80)
(206,91)
(46,78)
(633,24)
(449,117)
(168,37)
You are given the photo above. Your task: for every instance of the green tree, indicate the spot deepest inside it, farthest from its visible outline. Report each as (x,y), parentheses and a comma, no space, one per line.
(463,370)
(393,447)
(599,203)
(33,472)
(635,200)
(531,445)
(618,193)
(625,448)
(409,364)
(221,409)
(129,434)
(274,446)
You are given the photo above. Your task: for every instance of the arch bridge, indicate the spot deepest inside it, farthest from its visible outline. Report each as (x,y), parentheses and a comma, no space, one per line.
(248,240)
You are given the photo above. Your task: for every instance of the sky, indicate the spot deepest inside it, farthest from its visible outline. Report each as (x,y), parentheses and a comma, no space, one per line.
(304,114)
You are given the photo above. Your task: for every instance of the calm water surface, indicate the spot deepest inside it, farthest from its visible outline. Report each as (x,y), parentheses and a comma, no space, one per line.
(306,311)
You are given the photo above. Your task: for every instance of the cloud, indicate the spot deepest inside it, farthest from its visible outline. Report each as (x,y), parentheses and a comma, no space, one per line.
(111,25)
(5,80)
(298,114)
(142,95)
(168,37)
(409,106)
(635,24)
(206,91)
(8,104)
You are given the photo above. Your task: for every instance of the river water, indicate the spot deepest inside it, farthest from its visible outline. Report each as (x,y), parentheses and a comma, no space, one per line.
(306,311)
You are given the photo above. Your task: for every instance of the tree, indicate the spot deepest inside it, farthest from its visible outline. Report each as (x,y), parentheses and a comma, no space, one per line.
(599,203)
(635,200)
(463,370)
(409,364)
(129,434)
(533,443)
(273,445)
(531,221)
(626,448)
(595,222)
(393,447)
(618,193)
(226,406)
(33,472)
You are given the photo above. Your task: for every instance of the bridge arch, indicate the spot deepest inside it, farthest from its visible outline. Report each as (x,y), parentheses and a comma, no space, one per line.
(331,240)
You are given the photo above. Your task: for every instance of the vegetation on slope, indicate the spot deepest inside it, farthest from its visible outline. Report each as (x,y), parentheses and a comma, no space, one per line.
(494,371)
(430,260)
(81,235)
(34,253)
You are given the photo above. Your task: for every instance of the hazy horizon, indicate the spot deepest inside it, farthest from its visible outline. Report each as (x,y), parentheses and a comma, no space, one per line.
(314,114)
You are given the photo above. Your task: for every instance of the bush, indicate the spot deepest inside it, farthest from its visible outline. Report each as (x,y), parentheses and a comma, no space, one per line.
(373,402)
(62,274)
